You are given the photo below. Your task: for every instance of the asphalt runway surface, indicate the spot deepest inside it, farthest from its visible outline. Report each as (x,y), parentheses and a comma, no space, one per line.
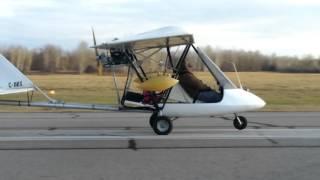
(276,145)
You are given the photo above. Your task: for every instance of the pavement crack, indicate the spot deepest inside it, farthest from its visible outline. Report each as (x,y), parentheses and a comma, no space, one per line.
(272,141)
(132,144)
(52,128)
(74,116)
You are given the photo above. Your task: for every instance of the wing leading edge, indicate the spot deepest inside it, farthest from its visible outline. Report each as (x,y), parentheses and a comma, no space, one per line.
(167,36)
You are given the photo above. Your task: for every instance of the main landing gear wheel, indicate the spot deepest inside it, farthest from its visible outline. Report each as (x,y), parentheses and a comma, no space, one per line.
(161,125)
(240,122)
(153,117)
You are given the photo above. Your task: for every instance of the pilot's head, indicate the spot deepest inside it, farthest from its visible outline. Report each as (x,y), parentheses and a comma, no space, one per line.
(185,67)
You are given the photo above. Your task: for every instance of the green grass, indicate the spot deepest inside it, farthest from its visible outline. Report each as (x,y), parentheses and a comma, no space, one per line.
(281,91)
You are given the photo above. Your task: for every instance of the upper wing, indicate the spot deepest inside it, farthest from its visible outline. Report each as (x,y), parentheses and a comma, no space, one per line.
(12,80)
(167,36)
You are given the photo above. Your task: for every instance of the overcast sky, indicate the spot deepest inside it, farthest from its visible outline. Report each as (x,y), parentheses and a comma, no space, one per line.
(286,27)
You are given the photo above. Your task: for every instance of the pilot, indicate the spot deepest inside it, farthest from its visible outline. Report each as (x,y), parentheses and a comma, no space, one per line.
(195,88)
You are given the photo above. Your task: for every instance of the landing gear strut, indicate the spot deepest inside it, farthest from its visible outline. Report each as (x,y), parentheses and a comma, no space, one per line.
(240,122)
(161,125)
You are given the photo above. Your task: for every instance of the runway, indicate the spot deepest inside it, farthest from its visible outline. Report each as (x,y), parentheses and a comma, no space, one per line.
(122,131)
(276,145)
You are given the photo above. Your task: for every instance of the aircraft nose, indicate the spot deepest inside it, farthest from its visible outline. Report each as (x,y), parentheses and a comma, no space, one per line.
(256,101)
(260,102)
(250,100)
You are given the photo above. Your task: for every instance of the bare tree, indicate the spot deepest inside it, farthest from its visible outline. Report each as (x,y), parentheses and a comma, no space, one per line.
(85,57)
(51,58)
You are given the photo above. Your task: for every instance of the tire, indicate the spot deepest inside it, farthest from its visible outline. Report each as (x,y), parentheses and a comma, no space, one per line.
(162,125)
(240,125)
(153,117)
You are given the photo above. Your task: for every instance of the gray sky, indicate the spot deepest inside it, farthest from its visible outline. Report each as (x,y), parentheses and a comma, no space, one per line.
(286,27)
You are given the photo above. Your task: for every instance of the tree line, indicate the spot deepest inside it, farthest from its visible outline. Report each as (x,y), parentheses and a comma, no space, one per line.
(53,59)
(256,61)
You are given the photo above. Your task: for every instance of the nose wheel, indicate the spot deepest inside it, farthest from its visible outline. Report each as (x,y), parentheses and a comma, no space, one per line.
(240,122)
(161,125)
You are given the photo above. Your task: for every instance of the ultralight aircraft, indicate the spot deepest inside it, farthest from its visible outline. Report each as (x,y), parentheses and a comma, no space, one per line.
(162,93)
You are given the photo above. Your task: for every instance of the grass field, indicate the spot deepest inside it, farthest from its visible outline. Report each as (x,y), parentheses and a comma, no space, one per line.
(281,91)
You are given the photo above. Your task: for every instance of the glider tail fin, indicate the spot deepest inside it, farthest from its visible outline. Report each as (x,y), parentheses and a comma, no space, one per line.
(12,80)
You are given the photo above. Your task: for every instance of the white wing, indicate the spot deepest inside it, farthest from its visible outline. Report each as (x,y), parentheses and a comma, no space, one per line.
(12,80)
(158,38)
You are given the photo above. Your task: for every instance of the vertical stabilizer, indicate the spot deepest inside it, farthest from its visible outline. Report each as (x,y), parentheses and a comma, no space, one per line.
(12,80)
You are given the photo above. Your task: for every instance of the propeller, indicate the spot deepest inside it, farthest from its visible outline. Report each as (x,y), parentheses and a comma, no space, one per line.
(98,58)
(114,57)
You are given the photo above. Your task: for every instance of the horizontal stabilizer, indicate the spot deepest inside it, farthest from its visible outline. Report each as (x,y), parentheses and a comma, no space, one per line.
(12,80)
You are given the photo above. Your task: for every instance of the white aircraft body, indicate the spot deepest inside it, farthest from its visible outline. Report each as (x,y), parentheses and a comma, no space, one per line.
(168,99)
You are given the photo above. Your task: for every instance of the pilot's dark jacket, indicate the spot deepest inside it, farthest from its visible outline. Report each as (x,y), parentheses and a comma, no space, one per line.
(190,83)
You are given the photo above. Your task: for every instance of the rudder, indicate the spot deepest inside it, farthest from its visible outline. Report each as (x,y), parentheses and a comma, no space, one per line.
(12,80)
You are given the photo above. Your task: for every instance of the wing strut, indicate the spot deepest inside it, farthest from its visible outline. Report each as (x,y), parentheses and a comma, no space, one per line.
(115,84)
(44,94)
